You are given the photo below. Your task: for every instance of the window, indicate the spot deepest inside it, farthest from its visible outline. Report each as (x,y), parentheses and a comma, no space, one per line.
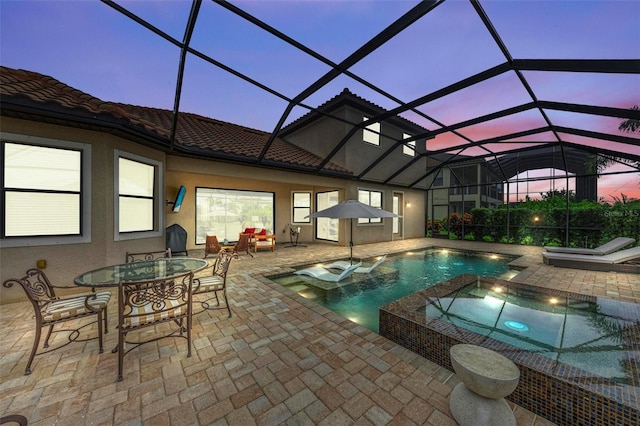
(372,198)
(408,148)
(326,228)
(45,191)
(138,197)
(225,213)
(301,203)
(371,134)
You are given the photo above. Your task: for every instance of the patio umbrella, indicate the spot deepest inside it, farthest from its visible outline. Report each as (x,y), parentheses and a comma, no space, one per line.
(352,209)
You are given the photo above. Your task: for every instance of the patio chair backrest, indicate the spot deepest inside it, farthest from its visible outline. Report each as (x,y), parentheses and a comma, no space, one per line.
(149,255)
(37,287)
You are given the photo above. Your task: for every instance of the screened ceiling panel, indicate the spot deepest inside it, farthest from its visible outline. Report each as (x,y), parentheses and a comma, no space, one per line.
(423,64)
(167,16)
(328,27)
(612,90)
(502,147)
(230,39)
(445,140)
(481,77)
(537,137)
(589,122)
(529,119)
(556,29)
(212,92)
(486,97)
(604,147)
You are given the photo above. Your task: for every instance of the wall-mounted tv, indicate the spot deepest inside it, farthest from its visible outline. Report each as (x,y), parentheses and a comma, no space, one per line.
(179,198)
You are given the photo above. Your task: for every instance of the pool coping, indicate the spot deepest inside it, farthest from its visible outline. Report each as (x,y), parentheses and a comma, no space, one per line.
(554,390)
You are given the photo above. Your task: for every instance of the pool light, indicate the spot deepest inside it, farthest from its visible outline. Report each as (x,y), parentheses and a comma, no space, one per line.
(553,301)
(497,289)
(516,325)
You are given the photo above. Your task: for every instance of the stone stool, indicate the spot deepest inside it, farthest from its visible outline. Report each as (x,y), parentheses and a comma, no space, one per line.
(486,378)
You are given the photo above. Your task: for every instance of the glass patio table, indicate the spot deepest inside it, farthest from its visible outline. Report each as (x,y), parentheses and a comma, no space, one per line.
(111,276)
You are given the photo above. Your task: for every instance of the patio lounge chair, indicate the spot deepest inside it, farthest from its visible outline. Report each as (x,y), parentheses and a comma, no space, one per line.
(610,247)
(324,274)
(618,261)
(344,264)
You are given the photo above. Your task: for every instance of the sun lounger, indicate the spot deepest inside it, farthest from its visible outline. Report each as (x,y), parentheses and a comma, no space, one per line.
(617,261)
(324,274)
(610,247)
(344,264)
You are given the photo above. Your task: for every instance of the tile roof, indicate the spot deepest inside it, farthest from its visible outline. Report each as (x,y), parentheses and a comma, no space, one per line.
(195,134)
(346,97)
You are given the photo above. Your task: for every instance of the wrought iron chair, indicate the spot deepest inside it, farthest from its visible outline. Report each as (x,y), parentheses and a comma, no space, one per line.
(149,255)
(212,246)
(216,282)
(148,303)
(50,309)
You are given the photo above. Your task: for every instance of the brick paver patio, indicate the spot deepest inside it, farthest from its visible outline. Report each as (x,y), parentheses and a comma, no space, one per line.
(279,360)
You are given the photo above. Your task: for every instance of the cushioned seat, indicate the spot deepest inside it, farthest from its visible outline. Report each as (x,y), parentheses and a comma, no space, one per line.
(610,247)
(216,282)
(324,274)
(344,264)
(49,309)
(264,242)
(609,262)
(147,303)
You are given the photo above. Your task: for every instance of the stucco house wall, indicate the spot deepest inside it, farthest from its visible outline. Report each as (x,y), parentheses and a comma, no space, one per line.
(66,261)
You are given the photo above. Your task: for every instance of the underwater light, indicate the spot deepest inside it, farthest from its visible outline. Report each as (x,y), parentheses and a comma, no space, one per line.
(516,325)
(553,300)
(494,256)
(497,289)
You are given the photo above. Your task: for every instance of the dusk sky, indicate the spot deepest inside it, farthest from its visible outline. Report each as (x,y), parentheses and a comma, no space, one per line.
(92,47)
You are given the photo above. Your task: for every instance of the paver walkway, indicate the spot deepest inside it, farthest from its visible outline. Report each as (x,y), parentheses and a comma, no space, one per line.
(279,360)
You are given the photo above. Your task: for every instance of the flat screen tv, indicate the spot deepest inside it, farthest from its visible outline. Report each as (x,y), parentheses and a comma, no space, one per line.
(179,198)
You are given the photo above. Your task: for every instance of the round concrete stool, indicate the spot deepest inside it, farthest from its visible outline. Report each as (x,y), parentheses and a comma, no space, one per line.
(486,378)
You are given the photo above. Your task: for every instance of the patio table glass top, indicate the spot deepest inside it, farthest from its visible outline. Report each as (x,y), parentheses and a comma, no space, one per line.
(111,276)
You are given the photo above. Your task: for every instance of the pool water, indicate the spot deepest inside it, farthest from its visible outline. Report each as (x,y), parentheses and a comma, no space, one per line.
(578,355)
(359,296)
(584,334)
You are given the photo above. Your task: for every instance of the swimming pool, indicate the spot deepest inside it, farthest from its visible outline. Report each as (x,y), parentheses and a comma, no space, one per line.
(578,355)
(359,297)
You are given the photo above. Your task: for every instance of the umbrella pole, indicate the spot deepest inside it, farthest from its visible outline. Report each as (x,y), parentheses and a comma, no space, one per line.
(351,244)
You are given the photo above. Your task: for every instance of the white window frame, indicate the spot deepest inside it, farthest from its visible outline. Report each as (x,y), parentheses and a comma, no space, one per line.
(408,148)
(85,193)
(371,133)
(158,197)
(306,221)
(373,220)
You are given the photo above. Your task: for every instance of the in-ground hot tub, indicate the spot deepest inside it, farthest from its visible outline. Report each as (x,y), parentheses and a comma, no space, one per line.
(579,356)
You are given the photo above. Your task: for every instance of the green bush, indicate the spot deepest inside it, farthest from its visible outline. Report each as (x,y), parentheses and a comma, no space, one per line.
(590,223)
